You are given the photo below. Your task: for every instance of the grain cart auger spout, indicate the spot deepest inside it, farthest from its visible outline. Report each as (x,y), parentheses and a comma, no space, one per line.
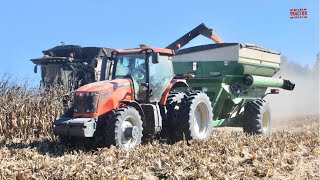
(139,103)
(235,76)
(202,29)
(261,81)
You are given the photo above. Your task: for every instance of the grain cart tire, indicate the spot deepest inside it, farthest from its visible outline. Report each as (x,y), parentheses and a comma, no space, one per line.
(257,117)
(173,105)
(195,117)
(123,129)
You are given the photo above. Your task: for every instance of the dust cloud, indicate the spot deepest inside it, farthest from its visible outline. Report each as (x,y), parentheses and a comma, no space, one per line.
(304,99)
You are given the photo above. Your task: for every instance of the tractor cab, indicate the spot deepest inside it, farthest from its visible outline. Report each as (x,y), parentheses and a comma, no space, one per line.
(150,70)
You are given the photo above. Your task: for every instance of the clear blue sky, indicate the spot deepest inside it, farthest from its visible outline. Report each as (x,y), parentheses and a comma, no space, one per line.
(28,27)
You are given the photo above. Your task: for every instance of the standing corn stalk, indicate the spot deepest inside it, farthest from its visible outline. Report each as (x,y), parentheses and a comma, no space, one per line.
(27,113)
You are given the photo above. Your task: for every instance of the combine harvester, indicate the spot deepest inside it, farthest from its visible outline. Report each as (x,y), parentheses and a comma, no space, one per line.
(235,76)
(72,66)
(145,100)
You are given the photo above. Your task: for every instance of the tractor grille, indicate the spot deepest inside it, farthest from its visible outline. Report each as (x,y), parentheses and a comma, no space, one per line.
(86,103)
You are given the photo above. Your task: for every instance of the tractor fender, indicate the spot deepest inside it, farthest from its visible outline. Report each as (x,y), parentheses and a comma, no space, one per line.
(137,106)
(175,83)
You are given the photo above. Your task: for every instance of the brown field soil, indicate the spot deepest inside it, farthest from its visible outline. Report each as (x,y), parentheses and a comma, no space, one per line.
(291,152)
(29,151)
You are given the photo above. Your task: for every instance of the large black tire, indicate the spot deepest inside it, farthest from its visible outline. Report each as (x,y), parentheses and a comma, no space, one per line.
(122,129)
(173,105)
(195,117)
(257,117)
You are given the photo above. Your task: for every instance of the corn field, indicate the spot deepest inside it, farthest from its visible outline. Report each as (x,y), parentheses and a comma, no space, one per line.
(28,149)
(27,113)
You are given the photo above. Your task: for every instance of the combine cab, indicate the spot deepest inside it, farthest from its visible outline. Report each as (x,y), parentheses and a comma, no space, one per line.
(72,66)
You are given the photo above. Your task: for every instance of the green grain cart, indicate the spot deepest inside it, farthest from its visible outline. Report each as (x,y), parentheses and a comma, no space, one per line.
(236,77)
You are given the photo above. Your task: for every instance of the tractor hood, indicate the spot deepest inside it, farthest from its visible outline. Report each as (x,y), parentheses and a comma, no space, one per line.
(105,85)
(95,99)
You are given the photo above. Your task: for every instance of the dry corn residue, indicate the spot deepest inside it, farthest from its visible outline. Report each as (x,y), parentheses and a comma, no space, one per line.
(29,151)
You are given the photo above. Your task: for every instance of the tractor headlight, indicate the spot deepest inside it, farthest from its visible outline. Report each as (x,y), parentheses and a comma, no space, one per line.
(95,93)
(86,102)
(86,94)
(90,111)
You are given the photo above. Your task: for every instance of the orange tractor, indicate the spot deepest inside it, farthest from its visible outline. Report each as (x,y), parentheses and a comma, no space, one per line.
(139,103)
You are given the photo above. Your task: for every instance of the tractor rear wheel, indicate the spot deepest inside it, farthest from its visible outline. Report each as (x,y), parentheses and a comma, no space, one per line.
(173,105)
(123,129)
(257,117)
(195,117)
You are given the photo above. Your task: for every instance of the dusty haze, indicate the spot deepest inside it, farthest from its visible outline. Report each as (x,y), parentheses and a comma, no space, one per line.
(304,99)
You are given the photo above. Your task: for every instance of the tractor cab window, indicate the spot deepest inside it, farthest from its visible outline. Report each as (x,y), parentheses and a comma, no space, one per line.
(132,66)
(160,76)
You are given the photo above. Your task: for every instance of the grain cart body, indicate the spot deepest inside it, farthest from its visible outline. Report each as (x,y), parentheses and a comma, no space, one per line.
(72,66)
(232,74)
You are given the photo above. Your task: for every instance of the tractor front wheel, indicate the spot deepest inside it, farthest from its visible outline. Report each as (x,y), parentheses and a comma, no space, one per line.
(123,129)
(257,117)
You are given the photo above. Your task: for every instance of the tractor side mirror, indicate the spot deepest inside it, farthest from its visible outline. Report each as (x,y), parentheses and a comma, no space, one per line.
(155,58)
(35,70)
